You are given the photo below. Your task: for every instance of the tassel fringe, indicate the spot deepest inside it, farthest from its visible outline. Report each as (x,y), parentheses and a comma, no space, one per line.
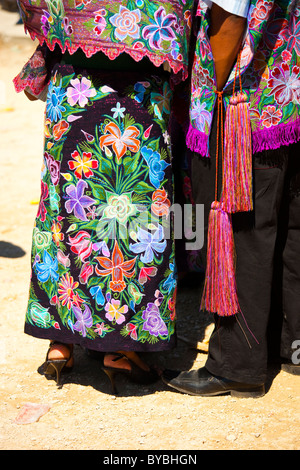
(220,293)
(237,166)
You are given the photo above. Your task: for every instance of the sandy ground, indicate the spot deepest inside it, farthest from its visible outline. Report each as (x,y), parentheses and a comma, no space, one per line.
(83,414)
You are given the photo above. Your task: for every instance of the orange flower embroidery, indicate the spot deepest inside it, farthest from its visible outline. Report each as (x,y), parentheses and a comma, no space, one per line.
(117,268)
(161,204)
(120,142)
(60,128)
(56,233)
(83,164)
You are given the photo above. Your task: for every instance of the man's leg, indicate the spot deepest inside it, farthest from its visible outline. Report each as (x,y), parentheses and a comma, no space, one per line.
(238,347)
(290,341)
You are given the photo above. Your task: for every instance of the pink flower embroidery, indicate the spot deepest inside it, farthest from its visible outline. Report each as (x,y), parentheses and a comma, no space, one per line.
(271,116)
(53,167)
(291,35)
(100,21)
(42,211)
(114,312)
(131,328)
(101,329)
(86,271)
(66,289)
(126,23)
(285,84)
(81,244)
(80,91)
(260,13)
(161,30)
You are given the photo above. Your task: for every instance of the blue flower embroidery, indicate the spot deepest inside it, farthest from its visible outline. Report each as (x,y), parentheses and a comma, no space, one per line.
(170,282)
(48,268)
(149,244)
(54,106)
(96,293)
(140,89)
(155,164)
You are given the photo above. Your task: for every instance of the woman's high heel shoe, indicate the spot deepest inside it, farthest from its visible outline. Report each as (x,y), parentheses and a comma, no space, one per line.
(54,367)
(135,373)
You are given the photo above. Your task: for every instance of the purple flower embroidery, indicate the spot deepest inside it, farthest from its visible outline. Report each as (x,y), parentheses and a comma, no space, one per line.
(153,321)
(45,23)
(149,244)
(161,29)
(200,115)
(53,167)
(77,201)
(80,91)
(84,319)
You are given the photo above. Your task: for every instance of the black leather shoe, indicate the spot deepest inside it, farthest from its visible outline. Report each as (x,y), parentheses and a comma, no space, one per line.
(201,382)
(291,368)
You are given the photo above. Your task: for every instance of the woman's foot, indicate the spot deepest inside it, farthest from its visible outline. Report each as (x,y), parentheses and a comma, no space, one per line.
(59,352)
(130,364)
(59,358)
(121,360)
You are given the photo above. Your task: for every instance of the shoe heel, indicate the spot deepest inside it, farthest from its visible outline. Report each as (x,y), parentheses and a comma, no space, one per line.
(54,368)
(255,392)
(111,375)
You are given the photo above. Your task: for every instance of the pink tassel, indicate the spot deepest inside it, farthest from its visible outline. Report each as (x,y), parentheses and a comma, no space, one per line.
(220,294)
(237,165)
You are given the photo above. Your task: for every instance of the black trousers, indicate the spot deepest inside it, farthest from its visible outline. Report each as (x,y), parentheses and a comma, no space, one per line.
(267,243)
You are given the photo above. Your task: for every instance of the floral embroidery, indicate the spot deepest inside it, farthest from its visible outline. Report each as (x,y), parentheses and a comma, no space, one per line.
(66,290)
(285,84)
(80,91)
(82,165)
(126,23)
(100,22)
(270,71)
(156,166)
(119,207)
(100,255)
(149,244)
(159,31)
(161,204)
(117,268)
(77,202)
(153,321)
(47,268)
(120,141)
(84,319)
(42,209)
(54,105)
(114,312)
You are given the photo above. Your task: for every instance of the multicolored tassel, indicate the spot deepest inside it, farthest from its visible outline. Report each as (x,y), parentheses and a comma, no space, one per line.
(220,290)
(237,165)
(220,293)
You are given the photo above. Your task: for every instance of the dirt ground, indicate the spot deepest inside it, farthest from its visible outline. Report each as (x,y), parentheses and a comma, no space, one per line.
(83,415)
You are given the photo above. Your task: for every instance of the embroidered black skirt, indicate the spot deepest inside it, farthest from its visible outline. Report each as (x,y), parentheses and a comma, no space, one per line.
(103,252)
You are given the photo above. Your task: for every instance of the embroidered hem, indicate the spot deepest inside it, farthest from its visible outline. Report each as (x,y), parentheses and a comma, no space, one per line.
(276,137)
(267,139)
(197,141)
(112,51)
